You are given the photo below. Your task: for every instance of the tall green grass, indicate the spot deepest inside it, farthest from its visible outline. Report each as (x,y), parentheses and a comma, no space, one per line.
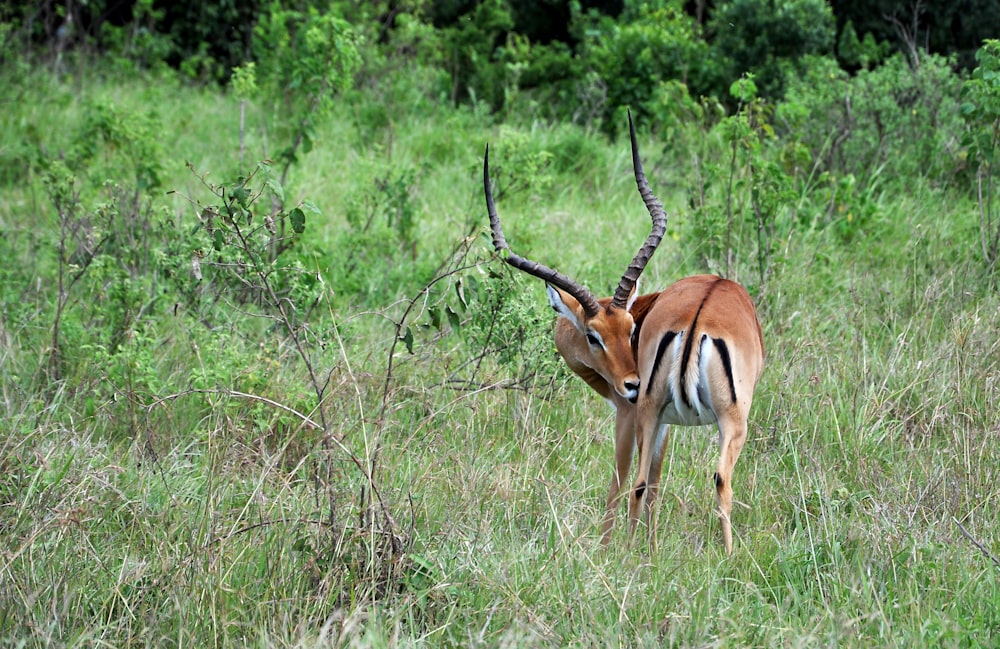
(165,495)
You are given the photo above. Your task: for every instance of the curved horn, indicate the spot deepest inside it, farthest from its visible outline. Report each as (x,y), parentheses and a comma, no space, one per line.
(659,217)
(555,278)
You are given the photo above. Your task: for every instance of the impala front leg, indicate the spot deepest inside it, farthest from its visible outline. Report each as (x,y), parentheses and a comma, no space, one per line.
(645,432)
(657,452)
(625,443)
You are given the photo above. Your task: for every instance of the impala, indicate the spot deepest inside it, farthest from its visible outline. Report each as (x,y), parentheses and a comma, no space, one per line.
(689,355)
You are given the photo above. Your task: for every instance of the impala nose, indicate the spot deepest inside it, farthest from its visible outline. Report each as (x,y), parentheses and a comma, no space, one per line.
(632,391)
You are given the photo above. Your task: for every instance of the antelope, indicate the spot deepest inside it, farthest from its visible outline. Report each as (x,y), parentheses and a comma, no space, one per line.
(689,355)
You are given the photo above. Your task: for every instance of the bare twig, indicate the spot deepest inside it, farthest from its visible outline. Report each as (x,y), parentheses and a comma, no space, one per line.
(460,251)
(909,34)
(982,548)
(729,207)
(983,214)
(280,406)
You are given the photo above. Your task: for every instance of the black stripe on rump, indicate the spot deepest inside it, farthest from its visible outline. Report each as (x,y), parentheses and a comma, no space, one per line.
(689,344)
(664,343)
(727,365)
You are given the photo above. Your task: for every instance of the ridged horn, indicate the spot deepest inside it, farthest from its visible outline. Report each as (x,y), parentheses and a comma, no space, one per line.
(659,217)
(553,277)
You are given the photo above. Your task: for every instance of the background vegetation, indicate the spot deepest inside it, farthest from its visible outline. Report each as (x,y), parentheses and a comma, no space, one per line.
(262,381)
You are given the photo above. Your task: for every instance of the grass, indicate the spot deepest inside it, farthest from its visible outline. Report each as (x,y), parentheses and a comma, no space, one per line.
(154,497)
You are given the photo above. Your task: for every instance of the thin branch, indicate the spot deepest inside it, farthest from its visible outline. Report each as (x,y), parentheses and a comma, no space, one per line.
(462,247)
(267,523)
(982,548)
(729,208)
(908,34)
(255,397)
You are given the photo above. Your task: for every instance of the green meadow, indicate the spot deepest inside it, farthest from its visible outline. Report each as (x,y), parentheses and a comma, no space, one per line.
(286,395)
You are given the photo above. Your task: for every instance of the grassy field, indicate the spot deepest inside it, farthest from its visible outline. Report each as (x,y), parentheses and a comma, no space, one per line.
(181,483)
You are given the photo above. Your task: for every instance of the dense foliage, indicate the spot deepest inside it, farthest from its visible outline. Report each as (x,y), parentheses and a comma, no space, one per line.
(263,381)
(608,53)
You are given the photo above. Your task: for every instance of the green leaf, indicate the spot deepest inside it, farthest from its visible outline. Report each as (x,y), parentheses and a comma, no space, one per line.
(218,240)
(240,193)
(276,189)
(407,339)
(453,318)
(298,220)
(311,207)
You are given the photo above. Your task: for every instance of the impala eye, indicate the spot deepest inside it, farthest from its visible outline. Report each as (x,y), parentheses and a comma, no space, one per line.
(594,340)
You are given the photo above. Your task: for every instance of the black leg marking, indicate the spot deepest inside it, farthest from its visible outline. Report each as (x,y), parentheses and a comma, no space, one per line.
(661,348)
(727,365)
(718,480)
(641,489)
(667,400)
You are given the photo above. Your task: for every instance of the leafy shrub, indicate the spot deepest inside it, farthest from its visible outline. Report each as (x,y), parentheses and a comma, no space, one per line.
(647,46)
(242,245)
(509,320)
(407,42)
(524,164)
(897,119)
(118,144)
(307,58)
(981,110)
(470,44)
(766,38)
(107,232)
(376,257)
(739,222)
(860,53)
(209,38)
(541,79)
(139,43)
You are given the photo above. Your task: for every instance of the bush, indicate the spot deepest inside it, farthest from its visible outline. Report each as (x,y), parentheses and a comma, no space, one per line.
(306,58)
(470,44)
(767,38)
(377,257)
(897,119)
(630,58)
(981,110)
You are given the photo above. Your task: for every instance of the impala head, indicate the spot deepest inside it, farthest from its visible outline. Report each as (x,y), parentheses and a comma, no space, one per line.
(601,342)
(599,332)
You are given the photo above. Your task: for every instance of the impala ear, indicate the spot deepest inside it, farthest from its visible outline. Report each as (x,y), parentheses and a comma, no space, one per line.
(631,296)
(565,305)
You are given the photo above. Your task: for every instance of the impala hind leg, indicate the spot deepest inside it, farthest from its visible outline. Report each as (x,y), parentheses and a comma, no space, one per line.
(624,450)
(732,436)
(641,497)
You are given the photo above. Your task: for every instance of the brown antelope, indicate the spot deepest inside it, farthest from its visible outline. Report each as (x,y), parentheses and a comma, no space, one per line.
(689,355)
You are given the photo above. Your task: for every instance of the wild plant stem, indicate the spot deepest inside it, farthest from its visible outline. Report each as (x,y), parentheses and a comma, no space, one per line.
(729,210)
(243,117)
